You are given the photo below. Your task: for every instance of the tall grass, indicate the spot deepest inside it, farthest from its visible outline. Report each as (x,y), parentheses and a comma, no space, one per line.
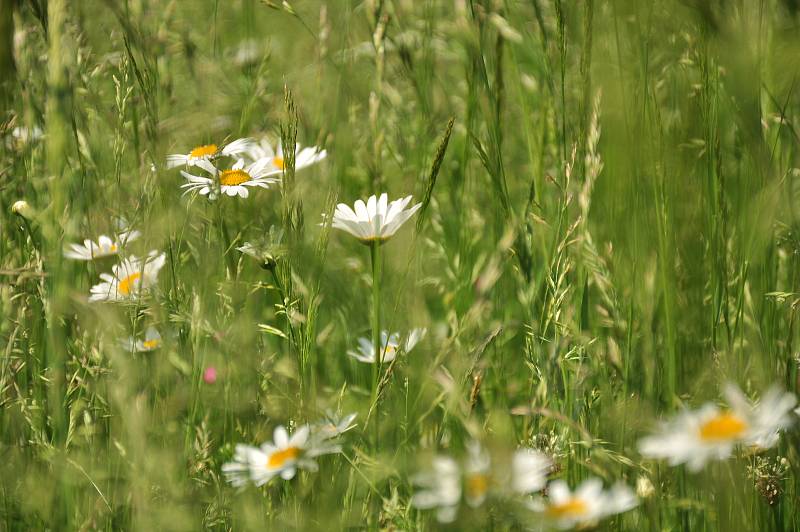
(609,233)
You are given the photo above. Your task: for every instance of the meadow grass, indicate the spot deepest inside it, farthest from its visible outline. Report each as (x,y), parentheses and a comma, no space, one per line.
(608,234)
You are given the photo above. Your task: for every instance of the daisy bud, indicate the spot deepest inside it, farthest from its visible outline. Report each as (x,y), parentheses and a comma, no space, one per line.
(644,488)
(23,208)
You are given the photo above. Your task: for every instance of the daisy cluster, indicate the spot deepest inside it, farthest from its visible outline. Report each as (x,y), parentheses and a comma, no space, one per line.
(131,281)
(446,483)
(237,166)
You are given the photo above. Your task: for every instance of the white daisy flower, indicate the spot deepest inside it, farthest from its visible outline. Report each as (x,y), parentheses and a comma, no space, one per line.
(589,503)
(208,152)
(232,182)
(375,221)
(151,342)
(23,135)
(477,475)
(441,489)
(131,279)
(529,469)
(695,437)
(390,343)
(332,426)
(104,247)
(284,456)
(302,157)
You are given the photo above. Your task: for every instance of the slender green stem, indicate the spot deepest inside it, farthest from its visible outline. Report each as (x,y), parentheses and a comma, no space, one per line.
(376,329)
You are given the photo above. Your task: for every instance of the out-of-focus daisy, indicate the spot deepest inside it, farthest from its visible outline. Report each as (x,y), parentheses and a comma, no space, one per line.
(283,456)
(207,152)
(589,503)
(374,221)
(303,157)
(390,343)
(695,437)
(332,426)
(477,477)
(104,247)
(133,278)
(232,182)
(268,249)
(440,489)
(151,342)
(444,485)
(24,135)
(248,52)
(529,469)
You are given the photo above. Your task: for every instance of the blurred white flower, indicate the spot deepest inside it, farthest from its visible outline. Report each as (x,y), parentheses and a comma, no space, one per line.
(586,505)
(151,342)
(302,157)
(375,221)
(232,182)
(695,437)
(529,469)
(248,52)
(208,152)
(283,456)
(131,280)
(104,246)
(332,426)
(23,135)
(477,479)
(390,343)
(267,249)
(477,474)
(441,489)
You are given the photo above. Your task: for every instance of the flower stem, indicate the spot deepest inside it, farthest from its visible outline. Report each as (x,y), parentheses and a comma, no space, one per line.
(376,330)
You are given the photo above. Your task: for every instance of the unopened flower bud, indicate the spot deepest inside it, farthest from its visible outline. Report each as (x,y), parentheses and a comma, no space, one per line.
(23,208)
(644,488)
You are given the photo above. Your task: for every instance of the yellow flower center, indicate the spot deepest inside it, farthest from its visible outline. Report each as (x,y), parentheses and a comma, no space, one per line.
(151,344)
(477,485)
(724,427)
(571,508)
(387,351)
(279,458)
(232,178)
(203,151)
(277,162)
(113,248)
(126,284)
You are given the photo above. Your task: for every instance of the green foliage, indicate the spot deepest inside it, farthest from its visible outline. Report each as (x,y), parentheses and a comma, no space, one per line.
(609,232)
